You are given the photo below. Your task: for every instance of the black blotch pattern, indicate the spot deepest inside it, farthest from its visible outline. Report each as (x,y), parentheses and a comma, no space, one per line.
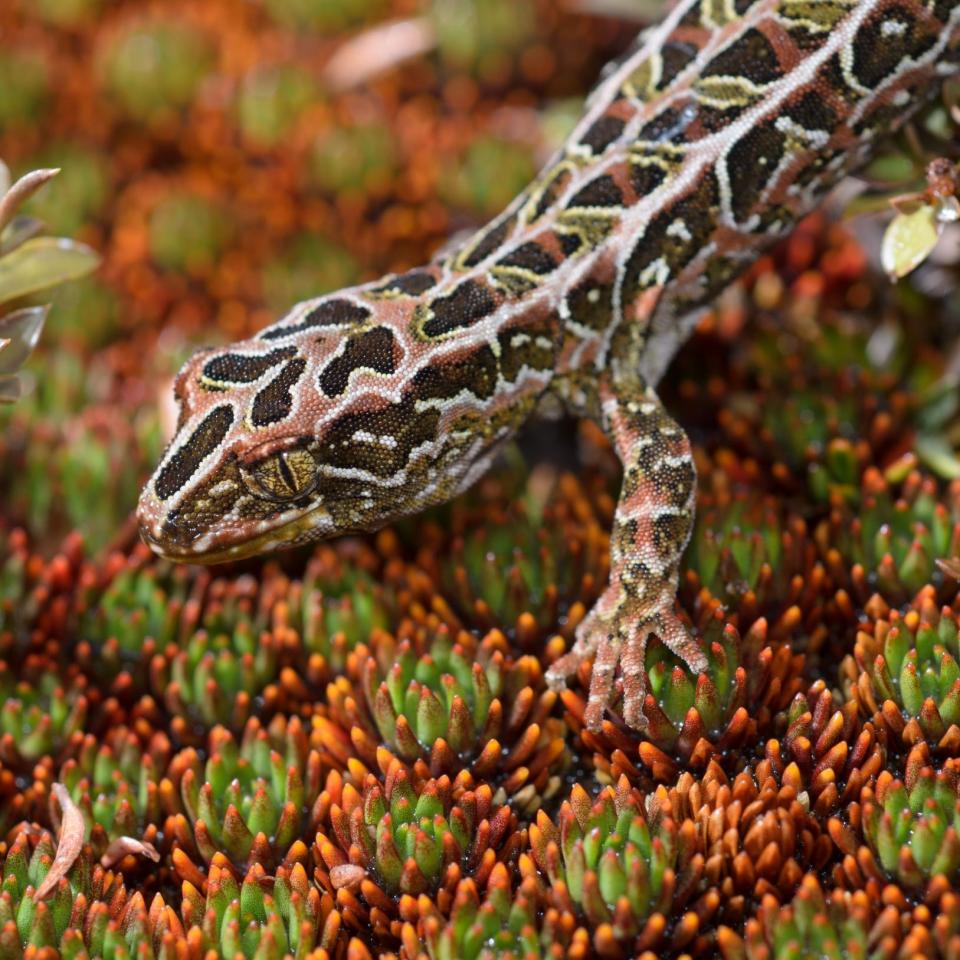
(713,120)
(408,428)
(676,54)
(646,177)
(529,353)
(554,187)
(444,379)
(750,163)
(591,304)
(570,243)
(602,192)
(648,461)
(806,40)
(604,131)
(669,529)
(530,256)
(697,212)
(752,56)
(372,350)
(239,368)
(692,17)
(679,478)
(942,9)
(832,75)
(275,401)
(489,243)
(668,126)
(881,116)
(331,313)
(817,168)
(412,284)
(812,112)
(876,55)
(184,463)
(468,304)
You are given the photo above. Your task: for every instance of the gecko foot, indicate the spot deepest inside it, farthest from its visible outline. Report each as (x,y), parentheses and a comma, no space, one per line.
(622,639)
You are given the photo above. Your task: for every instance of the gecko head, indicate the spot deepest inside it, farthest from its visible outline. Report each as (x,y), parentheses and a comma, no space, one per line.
(305,432)
(256,461)
(226,488)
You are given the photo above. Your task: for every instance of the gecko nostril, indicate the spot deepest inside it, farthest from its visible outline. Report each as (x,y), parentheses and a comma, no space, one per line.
(178,531)
(153,535)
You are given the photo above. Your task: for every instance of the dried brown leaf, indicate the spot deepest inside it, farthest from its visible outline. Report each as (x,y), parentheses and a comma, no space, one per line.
(123,846)
(72,829)
(377,50)
(950,566)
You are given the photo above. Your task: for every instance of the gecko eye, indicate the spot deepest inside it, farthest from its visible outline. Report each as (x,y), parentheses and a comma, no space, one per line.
(282,476)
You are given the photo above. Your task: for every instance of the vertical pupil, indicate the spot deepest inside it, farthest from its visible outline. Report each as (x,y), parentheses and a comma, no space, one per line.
(286,473)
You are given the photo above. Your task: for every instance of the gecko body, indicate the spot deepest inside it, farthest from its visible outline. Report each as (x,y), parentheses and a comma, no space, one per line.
(698,149)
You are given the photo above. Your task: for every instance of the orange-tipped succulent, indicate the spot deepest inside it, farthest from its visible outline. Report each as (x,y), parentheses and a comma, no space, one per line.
(629,874)
(905,674)
(349,750)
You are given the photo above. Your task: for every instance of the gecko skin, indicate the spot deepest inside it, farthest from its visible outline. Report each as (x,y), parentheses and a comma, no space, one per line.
(701,147)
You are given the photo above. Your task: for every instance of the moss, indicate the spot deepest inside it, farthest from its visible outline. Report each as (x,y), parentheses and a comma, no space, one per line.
(356,159)
(324,14)
(79,193)
(467,185)
(188,232)
(271,100)
(308,267)
(153,69)
(24,78)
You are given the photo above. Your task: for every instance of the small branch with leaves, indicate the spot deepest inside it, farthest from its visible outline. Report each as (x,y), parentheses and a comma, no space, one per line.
(917,175)
(30,263)
(920,219)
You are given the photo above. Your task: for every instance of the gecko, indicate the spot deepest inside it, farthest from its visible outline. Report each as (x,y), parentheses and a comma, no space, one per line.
(697,150)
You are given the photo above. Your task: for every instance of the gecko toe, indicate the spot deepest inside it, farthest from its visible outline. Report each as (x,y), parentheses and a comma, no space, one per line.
(678,639)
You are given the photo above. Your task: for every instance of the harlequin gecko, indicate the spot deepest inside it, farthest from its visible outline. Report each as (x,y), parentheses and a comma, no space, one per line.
(703,145)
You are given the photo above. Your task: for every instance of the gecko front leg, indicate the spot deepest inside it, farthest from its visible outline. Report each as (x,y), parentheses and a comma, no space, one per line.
(651,528)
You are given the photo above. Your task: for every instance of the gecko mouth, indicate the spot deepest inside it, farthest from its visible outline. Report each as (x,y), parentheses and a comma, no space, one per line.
(213,549)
